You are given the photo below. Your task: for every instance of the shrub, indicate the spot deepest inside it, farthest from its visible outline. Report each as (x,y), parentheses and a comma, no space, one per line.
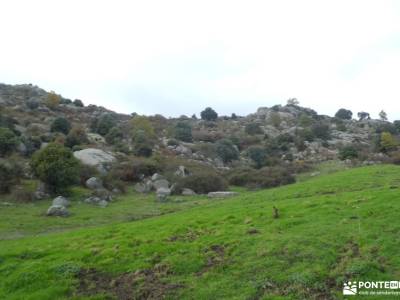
(258,155)
(32,104)
(321,130)
(76,136)
(226,150)
(387,142)
(10,174)
(133,171)
(32,144)
(253,129)
(386,127)
(86,173)
(78,103)
(104,123)
(8,141)
(53,100)
(172,142)
(202,183)
(143,146)
(348,152)
(61,124)
(114,136)
(183,132)
(344,114)
(56,166)
(209,114)
(363,116)
(262,178)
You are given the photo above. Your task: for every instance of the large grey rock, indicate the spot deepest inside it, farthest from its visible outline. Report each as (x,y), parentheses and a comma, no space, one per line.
(183,150)
(103,194)
(162,194)
(143,187)
(161,183)
(58,211)
(188,192)
(222,194)
(95,158)
(94,183)
(61,201)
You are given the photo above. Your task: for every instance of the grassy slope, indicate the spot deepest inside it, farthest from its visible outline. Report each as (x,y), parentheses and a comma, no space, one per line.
(334,227)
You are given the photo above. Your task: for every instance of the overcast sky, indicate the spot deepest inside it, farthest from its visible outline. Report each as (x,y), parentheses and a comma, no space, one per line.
(177,57)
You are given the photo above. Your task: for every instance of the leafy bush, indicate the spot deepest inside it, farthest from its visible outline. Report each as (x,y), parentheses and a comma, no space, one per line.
(78,103)
(61,124)
(258,155)
(172,142)
(209,114)
(104,123)
(8,141)
(183,132)
(344,114)
(226,150)
(143,146)
(202,183)
(321,130)
(387,142)
(253,129)
(56,166)
(133,171)
(348,152)
(114,136)
(32,144)
(32,104)
(53,100)
(262,178)
(10,174)
(76,136)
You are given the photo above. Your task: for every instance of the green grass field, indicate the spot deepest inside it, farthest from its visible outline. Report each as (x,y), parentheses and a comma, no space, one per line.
(331,228)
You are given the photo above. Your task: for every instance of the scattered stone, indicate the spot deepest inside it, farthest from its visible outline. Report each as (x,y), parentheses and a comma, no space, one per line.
(181,172)
(156,177)
(57,211)
(61,201)
(222,194)
(96,201)
(94,183)
(161,183)
(143,187)
(162,194)
(188,192)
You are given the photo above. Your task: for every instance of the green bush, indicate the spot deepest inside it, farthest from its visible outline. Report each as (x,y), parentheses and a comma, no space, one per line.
(253,129)
(226,150)
(258,155)
(61,125)
(10,174)
(76,136)
(202,183)
(134,170)
(32,104)
(143,146)
(8,141)
(56,166)
(262,178)
(114,136)
(183,132)
(348,152)
(344,114)
(321,130)
(209,114)
(78,103)
(104,123)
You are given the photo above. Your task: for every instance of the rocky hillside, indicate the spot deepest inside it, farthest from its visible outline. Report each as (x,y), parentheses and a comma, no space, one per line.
(259,150)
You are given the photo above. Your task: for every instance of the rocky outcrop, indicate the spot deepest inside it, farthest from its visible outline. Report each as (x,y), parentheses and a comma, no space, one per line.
(95,158)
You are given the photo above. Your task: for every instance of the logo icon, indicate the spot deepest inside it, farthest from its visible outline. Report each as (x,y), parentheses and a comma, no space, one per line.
(350,288)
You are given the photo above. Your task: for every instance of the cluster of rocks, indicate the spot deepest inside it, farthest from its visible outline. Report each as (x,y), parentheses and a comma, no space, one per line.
(100,196)
(157,183)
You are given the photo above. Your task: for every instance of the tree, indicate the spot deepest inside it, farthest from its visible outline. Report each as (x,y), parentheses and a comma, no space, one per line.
(363,116)
(344,114)
(226,150)
(209,114)
(253,129)
(8,141)
(143,146)
(61,124)
(383,115)
(258,155)
(142,123)
(293,101)
(397,125)
(387,142)
(183,132)
(53,100)
(56,166)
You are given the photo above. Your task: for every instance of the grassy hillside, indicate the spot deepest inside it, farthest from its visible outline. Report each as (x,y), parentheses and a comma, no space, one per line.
(331,228)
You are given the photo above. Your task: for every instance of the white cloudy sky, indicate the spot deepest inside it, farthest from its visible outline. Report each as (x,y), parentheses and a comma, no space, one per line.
(177,57)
